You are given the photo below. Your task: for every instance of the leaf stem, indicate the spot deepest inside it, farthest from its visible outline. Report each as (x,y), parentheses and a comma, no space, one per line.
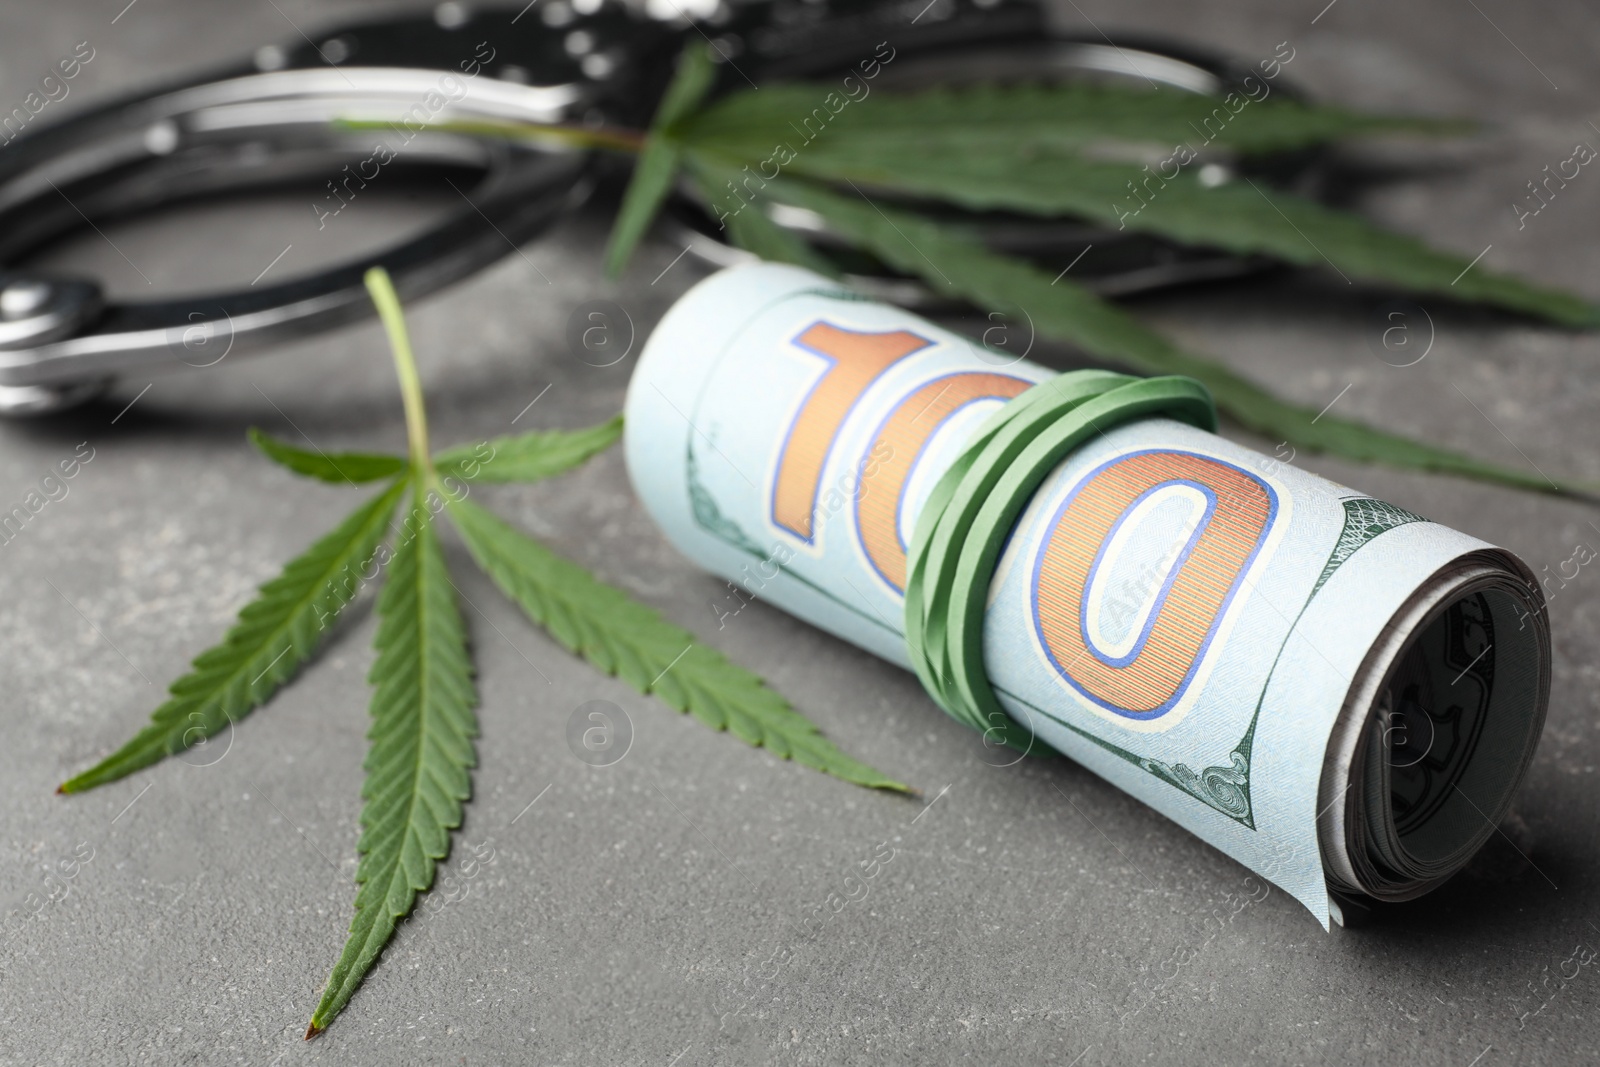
(617,138)
(381,289)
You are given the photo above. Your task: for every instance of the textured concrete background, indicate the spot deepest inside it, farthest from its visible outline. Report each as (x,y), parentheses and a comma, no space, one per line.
(628,916)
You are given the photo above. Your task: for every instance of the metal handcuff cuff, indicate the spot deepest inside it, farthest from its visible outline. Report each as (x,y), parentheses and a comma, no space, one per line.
(270,121)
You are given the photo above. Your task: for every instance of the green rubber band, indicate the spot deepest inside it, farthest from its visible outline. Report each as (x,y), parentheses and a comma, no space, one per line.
(1181,399)
(975,505)
(970,498)
(924,615)
(934,543)
(963,497)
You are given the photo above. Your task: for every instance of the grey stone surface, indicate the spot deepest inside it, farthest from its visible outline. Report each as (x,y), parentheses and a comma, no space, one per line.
(645,912)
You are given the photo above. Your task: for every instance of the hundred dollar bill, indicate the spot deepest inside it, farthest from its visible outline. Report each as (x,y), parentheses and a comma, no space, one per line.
(1335,691)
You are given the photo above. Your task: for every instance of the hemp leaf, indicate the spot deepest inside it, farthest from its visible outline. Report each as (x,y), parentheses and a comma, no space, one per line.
(417,770)
(658,160)
(1049,150)
(629,640)
(418,766)
(1020,119)
(350,467)
(1239,215)
(275,634)
(529,457)
(965,268)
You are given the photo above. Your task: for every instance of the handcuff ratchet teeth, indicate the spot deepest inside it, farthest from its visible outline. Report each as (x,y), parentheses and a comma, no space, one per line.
(271,120)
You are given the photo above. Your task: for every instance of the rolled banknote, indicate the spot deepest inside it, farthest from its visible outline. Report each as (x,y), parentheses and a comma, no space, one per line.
(1335,691)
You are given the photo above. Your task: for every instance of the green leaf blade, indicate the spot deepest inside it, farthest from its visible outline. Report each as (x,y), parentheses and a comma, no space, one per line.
(956,266)
(1009,118)
(1238,216)
(528,457)
(274,635)
(748,225)
(625,638)
(418,765)
(658,162)
(341,467)
(649,186)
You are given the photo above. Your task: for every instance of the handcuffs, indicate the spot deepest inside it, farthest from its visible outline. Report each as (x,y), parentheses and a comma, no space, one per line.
(270,120)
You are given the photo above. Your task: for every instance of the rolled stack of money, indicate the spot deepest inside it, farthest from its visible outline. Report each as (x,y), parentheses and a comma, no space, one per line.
(1335,691)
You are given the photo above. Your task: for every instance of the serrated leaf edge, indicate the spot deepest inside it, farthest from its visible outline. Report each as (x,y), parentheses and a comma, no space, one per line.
(685,673)
(389,886)
(364,538)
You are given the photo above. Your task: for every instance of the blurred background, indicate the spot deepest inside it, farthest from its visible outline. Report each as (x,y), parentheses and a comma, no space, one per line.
(630,914)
